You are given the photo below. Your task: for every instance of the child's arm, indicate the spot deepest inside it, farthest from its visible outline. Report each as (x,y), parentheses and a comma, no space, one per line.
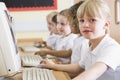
(69,68)
(93,73)
(59,53)
(49,47)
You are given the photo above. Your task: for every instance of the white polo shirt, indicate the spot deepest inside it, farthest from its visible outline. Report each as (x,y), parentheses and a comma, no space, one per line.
(79,49)
(51,41)
(108,52)
(65,43)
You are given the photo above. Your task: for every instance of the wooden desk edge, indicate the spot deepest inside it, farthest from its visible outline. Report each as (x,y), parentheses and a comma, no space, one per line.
(67,76)
(29,40)
(61,75)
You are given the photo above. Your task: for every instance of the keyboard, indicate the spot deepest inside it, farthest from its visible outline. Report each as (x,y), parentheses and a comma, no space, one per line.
(30,60)
(38,74)
(29,48)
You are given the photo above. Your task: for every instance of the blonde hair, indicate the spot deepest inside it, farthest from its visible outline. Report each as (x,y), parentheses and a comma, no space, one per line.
(71,18)
(66,13)
(50,15)
(93,8)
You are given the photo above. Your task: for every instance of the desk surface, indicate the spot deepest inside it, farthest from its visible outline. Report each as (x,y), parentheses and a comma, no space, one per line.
(58,74)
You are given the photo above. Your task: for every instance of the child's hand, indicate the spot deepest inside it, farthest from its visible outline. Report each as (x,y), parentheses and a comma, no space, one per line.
(41,53)
(47,63)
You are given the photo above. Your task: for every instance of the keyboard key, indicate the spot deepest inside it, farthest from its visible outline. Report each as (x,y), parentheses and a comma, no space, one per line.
(30,60)
(38,74)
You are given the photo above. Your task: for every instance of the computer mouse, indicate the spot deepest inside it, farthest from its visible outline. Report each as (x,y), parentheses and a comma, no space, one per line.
(37,44)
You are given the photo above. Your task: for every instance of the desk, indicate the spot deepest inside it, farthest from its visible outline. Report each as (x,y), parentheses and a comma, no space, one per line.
(58,74)
(29,41)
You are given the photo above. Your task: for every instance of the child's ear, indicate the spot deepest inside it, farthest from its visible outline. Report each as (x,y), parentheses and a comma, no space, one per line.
(107,24)
(106,27)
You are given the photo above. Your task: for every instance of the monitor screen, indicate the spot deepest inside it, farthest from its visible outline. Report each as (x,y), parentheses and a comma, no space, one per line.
(9,56)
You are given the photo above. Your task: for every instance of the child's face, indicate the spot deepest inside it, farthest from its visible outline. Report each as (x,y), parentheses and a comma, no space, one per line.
(50,24)
(63,25)
(92,27)
(54,28)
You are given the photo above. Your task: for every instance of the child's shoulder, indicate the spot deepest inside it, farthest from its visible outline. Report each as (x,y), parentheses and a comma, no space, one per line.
(109,43)
(73,35)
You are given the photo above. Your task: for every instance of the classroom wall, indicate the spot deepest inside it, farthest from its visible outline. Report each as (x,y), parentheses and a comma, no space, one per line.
(115,28)
(32,24)
(35,20)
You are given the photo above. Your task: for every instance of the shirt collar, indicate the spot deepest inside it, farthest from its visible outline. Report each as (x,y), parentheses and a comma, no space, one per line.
(95,51)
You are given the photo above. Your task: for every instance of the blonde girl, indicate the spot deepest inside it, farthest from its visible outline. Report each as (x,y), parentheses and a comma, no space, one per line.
(102,61)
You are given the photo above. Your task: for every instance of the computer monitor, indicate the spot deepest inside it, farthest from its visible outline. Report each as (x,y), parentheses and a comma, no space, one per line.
(9,56)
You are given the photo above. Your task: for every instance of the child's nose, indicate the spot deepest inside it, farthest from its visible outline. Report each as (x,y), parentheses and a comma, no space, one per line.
(86,24)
